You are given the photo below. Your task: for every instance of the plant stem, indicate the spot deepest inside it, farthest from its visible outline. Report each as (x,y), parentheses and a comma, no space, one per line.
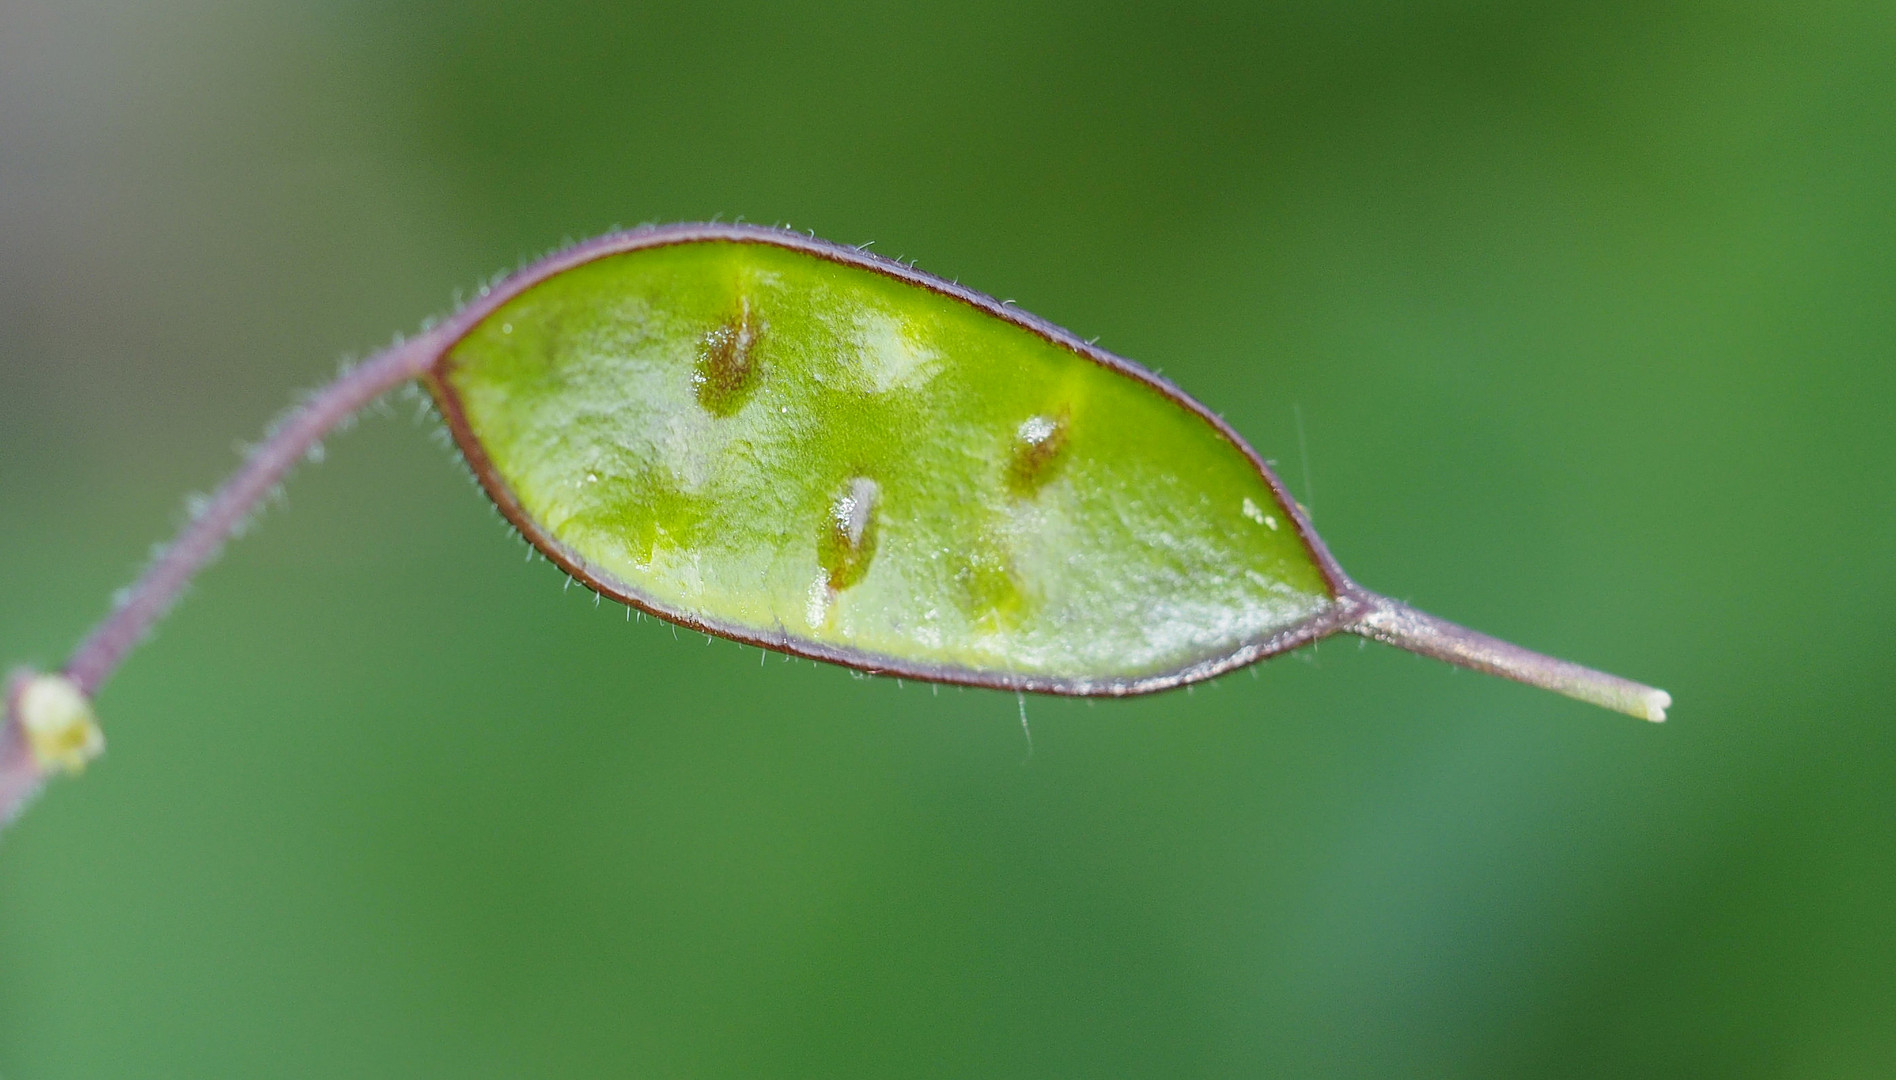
(1398,624)
(19,770)
(154,593)
(142,605)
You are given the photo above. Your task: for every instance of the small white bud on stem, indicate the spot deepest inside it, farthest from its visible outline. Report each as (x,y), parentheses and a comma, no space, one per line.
(56,718)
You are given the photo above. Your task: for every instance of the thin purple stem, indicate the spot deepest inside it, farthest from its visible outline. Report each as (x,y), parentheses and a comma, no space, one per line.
(154,593)
(21,774)
(1398,624)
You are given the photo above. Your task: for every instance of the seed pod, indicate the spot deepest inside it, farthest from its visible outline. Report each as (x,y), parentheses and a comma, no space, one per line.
(802,446)
(805,447)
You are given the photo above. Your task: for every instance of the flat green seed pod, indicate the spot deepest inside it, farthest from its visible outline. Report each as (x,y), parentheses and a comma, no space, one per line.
(805,447)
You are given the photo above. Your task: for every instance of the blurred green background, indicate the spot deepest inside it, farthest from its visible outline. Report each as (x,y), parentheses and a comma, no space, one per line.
(1588,312)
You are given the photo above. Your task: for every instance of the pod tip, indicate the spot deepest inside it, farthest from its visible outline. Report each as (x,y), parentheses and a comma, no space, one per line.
(1655,703)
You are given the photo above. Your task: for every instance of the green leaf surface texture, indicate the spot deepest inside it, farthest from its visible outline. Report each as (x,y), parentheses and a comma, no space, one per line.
(832,457)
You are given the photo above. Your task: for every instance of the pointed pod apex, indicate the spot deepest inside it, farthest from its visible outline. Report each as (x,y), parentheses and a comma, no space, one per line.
(1657,702)
(56,717)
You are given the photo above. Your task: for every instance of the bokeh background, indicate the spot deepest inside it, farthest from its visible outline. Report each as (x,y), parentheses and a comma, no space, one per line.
(1587,314)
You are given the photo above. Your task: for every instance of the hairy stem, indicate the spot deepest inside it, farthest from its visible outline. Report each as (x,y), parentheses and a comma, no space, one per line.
(147,600)
(142,605)
(1404,627)
(19,769)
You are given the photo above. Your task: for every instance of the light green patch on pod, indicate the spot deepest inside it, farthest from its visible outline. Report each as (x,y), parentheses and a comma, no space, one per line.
(806,448)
